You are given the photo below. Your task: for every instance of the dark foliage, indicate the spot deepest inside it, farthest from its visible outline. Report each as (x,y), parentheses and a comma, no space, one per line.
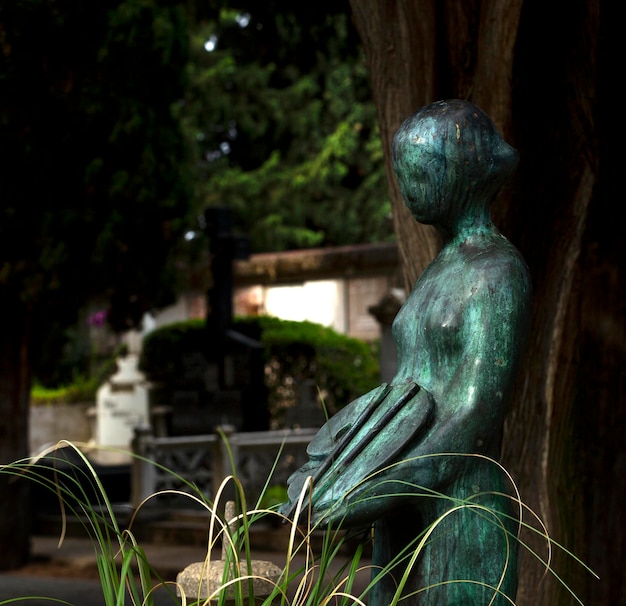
(93,199)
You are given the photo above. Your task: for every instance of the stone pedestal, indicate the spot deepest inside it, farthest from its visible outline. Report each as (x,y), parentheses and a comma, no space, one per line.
(203,580)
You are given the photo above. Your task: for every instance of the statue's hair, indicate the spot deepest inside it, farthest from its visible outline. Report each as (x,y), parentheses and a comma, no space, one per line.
(461,139)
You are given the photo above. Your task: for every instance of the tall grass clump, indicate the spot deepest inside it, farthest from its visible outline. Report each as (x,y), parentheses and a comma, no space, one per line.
(121,561)
(320,565)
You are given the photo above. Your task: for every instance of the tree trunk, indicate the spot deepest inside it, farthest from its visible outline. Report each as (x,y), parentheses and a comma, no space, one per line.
(418,52)
(399,39)
(536,70)
(14,405)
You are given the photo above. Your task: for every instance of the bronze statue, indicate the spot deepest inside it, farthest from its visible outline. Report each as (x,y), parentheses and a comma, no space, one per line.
(421,450)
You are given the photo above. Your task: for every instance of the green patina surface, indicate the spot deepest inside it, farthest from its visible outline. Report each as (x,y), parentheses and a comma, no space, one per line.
(422,449)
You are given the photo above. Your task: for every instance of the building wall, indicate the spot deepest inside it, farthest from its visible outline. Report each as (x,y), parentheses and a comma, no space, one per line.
(341,304)
(333,287)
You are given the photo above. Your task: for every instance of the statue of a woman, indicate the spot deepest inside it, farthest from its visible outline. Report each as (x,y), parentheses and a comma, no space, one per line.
(421,450)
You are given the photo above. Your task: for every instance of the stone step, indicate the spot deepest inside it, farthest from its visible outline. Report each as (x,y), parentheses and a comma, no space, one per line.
(183,527)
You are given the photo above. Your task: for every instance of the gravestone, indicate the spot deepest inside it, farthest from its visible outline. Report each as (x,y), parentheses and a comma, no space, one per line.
(309,411)
(122,405)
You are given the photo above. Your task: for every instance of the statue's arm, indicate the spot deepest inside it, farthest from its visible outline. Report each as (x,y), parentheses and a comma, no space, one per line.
(473,370)
(469,372)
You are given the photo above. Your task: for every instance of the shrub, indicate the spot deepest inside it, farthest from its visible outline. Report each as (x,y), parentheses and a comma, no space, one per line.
(82,388)
(164,350)
(341,367)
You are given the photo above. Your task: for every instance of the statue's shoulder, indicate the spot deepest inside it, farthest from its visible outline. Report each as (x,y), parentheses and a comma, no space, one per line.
(495,256)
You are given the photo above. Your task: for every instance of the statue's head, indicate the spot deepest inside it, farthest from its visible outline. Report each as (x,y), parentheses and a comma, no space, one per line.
(449,157)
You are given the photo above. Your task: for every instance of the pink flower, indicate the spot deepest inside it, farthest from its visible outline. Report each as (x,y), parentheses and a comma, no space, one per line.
(97,318)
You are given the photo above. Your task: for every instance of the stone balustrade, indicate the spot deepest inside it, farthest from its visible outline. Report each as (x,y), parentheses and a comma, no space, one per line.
(259,460)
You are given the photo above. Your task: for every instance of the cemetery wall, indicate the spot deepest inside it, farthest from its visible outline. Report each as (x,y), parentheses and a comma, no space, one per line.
(331,286)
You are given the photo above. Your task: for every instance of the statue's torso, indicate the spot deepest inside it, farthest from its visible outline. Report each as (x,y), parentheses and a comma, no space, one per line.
(465,307)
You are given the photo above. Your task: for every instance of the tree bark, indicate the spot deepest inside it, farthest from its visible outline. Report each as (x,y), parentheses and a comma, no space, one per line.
(399,38)
(14,405)
(537,70)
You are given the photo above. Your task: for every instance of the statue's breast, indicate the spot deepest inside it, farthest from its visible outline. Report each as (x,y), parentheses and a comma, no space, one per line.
(428,331)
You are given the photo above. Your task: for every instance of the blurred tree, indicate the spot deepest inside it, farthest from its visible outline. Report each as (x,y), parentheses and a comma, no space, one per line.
(93,184)
(97,182)
(281,123)
(546,74)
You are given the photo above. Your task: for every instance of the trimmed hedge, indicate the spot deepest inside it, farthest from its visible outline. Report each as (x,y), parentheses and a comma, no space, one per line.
(163,350)
(342,367)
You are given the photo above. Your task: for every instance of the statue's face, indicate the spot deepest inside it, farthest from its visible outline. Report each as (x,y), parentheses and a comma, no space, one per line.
(421,182)
(414,189)
(449,161)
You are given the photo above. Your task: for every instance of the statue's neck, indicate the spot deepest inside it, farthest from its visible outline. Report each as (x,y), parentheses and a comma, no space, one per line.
(466,227)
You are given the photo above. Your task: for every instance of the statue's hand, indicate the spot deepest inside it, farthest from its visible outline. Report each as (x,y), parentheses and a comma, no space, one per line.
(325,441)
(389,423)
(323,445)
